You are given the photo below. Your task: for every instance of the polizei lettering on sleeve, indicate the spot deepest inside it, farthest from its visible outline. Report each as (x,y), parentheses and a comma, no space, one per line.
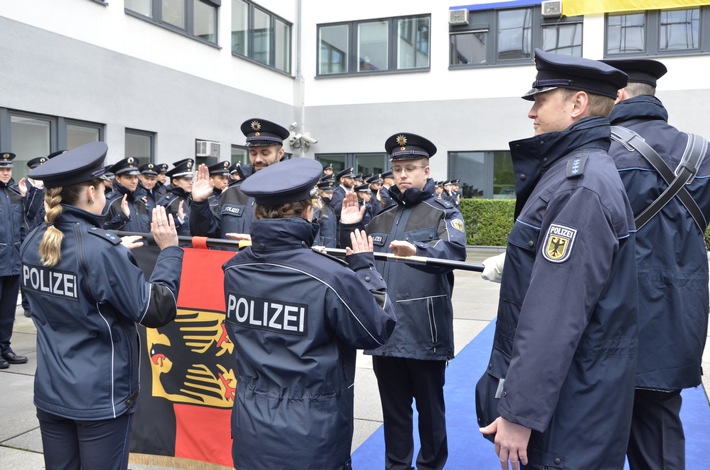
(50,281)
(278,316)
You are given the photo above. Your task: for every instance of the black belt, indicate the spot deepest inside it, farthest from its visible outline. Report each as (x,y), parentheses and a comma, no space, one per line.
(676,180)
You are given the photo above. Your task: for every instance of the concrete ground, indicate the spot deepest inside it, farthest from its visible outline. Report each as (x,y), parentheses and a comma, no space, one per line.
(475,303)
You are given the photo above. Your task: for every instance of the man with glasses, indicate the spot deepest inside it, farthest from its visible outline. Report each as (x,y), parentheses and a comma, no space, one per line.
(413,361)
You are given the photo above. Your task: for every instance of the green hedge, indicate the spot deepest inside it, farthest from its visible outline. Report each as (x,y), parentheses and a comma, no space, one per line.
(488,221)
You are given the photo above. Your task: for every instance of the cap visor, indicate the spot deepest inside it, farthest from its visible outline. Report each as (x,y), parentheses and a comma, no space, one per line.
(530,95)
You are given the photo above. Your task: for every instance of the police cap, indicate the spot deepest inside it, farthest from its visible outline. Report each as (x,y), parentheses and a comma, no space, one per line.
(406,146)
(221,168)
(260,132)
(346,173)
(362,188)
(326,184)
(640,70)
(182,168)
(387,174)
(35,162)
(329,166)
(374,179)
(289,181)
(149,169)
(6,159)
(575,73)
(126,167)
(163,168)
(78,165)
(233,168)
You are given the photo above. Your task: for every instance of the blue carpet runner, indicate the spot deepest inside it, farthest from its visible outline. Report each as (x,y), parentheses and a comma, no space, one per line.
(468,450)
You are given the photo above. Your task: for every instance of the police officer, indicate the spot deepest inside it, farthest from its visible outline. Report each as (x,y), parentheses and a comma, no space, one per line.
(365,199)
(163,185)
(87,294)
(236,209)
(12,232)
(411,365)
(178,201)
(327,170)
(296,318)
(234,176)
(558,391)
(126,208)
(345,182)
(219,179)
(148,189)
(387,183)
(672,270)
(324,215)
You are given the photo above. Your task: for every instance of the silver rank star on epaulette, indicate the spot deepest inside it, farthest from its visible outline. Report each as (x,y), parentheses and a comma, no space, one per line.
(575,167)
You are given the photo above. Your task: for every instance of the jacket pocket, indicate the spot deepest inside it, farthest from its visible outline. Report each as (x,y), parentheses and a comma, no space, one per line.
(487,389)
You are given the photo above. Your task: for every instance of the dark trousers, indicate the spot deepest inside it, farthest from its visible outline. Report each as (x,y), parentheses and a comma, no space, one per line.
(9,287)
(657,441)
(73,445)
(399,380)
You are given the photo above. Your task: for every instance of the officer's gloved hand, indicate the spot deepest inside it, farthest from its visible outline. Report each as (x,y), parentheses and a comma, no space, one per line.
(493,268)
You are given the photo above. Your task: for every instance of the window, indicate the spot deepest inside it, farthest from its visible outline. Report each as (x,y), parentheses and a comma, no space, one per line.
(194,18)
(80,133)
(391,44)
(31,135)
(483,174)
(140,144)
(509,36)
(261,36)
(239,154)
(658,32)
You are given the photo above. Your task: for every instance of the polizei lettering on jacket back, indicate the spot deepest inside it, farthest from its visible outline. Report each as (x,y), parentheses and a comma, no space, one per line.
(250,312)
(50,281)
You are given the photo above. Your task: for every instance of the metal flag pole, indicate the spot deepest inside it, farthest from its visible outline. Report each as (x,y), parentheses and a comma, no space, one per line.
(337,252)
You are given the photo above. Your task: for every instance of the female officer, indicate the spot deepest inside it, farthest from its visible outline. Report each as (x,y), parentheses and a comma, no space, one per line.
(87,294)
(296,318)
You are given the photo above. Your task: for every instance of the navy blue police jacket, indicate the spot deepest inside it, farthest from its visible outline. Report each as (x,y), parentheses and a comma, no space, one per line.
(12,228)
(34,206)
(150,196)
(296,318)
(336,202)
(85,309)
(564,351)
(115,219)
(171,201)
(327,221)
(421,294)
(670,252)
(234,214)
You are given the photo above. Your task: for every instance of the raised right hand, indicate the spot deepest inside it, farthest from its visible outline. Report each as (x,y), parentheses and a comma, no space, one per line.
(163,228)
(351,213)
(202,186)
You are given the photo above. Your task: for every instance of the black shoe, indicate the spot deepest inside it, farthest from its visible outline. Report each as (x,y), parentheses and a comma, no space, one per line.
(13,358)
(4,364)
(28,314)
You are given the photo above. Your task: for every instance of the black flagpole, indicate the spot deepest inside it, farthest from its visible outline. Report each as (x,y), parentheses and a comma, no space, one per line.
(338,252)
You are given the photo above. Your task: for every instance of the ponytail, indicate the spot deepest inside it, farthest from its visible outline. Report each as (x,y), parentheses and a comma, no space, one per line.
(50,248)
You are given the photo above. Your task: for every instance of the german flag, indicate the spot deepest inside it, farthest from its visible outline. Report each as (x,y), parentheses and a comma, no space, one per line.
(187,369)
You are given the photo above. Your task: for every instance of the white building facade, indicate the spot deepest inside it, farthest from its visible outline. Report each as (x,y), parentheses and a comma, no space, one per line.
(168,79)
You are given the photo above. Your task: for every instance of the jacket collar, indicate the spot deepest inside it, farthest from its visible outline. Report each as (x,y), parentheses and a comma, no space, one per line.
(413,196)
(534,155)
(643,107)
(281,234)
(71,214)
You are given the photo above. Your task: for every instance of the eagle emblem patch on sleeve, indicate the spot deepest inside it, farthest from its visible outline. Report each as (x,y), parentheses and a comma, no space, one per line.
(458,225)
(558,243)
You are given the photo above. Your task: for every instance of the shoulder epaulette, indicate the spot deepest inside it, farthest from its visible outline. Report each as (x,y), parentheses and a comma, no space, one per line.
(575,167)
(444,203)
(334,258)
(108,236)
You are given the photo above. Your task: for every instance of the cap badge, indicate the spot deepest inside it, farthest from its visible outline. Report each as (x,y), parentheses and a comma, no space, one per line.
(42,160)
(226,165)
(130,160)
(5,156)
(256,127)
(189,164)
(150,166)
(401,141)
